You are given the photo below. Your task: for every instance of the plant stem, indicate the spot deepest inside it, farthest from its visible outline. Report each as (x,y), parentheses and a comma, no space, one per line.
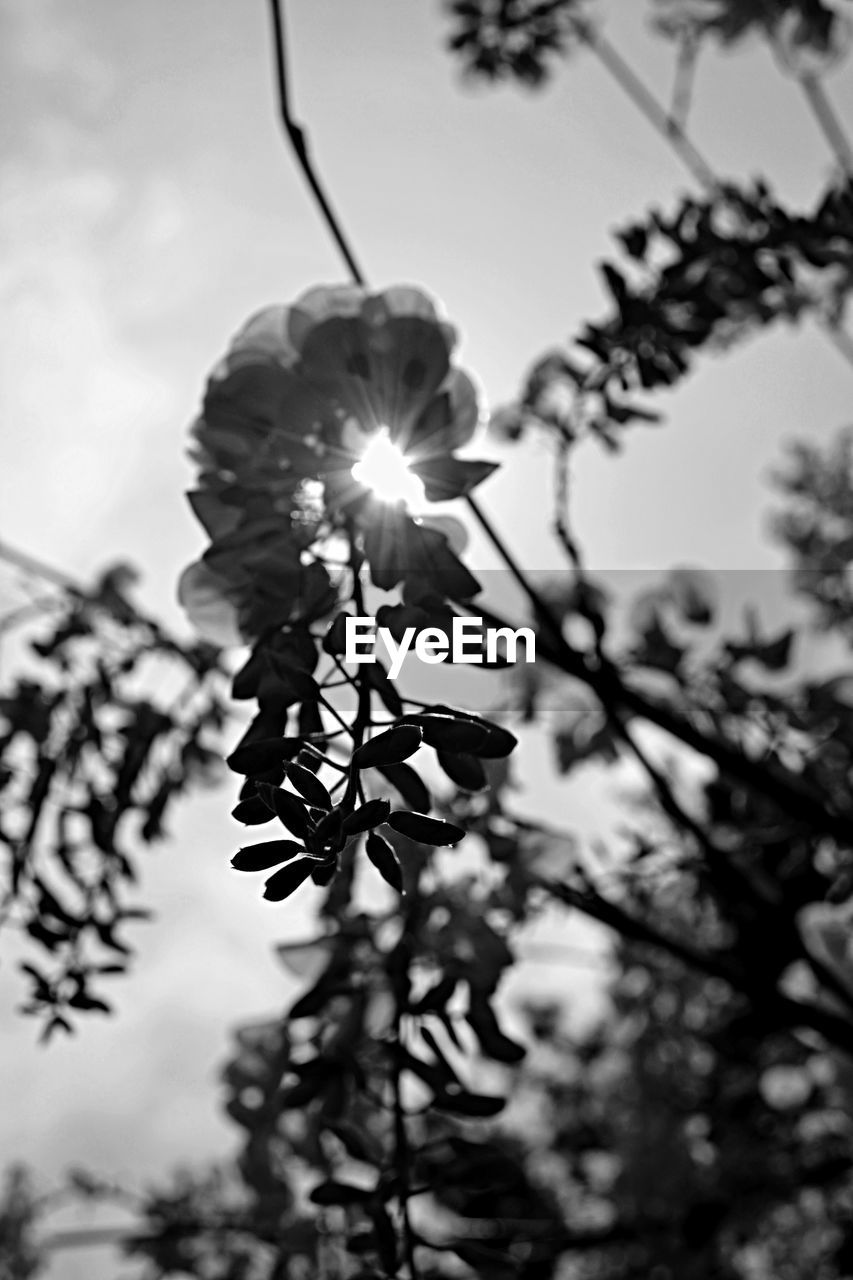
(298,140)
(669,128)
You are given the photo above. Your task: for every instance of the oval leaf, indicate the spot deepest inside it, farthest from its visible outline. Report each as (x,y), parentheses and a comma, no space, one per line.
(388,748)
(289,810)
(493,1042)
(469,1104)
(410,786)
(341,1193)
(367,817)
(385,861)
(466,771)
(449,733)
(308,785)
(497,742)
(266,753)
(417,826)
(286,881)
(260,857)
(252,811)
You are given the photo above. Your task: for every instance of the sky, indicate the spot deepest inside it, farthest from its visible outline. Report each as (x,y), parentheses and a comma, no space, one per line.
(148,206)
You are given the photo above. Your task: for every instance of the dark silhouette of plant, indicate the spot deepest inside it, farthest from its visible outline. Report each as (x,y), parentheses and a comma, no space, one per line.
(395,1121)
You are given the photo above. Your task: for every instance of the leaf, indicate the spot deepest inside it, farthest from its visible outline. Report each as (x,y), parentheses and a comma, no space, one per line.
(449,733)
(389,747)
(296,684)
(432,831)
(465,770)
(498,742)
(289,809)
(324,872)
(328,830)
(409,784)
(335,639)
(269,853)
(446,478)
(253,812)
(285,882)
(385,860)
(462,1103)
(368,816)
(308,785)
(340,1193)
(266,753)
(484,1024)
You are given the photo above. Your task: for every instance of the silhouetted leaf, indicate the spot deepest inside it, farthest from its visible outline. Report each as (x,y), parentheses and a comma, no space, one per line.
(257,757)
(385,860)
(409,784)
(340,1193)
(308,785)
(493,1042)
(475,1105)
(496,743)
(285,882)
(389,747)
(368,816)
(465,770)
(260,857)
(288,808)
(252,812)
(432,831)
(449,733)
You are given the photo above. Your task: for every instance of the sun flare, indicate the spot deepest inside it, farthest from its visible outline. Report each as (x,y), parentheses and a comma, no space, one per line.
(383,469)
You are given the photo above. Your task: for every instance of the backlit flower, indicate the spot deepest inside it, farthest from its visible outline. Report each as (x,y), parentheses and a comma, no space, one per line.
(311,403)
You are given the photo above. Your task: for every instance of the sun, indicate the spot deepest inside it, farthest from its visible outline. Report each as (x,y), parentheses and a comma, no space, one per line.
(383,469)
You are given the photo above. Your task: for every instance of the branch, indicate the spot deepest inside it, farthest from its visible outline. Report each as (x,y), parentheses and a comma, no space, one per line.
(298,140)
(669,128)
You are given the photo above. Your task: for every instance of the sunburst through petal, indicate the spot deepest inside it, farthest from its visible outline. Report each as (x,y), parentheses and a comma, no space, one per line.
(383,469)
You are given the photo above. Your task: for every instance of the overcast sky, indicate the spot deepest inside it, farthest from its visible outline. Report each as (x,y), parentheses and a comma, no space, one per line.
(148,206)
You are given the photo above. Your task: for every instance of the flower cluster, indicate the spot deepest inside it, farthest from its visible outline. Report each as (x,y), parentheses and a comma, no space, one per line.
(288,414)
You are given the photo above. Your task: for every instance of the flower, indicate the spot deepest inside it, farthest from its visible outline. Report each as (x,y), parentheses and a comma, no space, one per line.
(293,407)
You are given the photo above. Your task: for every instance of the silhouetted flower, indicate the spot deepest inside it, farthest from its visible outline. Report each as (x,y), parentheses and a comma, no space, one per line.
(292,409)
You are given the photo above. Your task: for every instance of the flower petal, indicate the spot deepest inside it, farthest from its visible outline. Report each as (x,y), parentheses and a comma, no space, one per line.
(447,478)
(448,421)
(207,601)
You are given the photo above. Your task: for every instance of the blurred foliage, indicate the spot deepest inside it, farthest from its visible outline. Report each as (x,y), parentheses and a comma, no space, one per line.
(719,269)
(521,40)
(109,721)
(399,1119)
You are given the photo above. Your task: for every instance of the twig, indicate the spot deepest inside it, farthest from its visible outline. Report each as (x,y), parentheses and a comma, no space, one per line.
(685,75)
(647,104)
(298,140)
(828,119)
(38,568)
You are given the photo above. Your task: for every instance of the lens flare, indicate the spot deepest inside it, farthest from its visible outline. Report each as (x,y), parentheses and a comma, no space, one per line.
(383,469)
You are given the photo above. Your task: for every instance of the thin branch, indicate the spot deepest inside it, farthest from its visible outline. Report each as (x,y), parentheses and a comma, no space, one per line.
(38,568)
(685,77)
(840,339)
(298,140)
(828,120)
(647,104)
(785,788)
